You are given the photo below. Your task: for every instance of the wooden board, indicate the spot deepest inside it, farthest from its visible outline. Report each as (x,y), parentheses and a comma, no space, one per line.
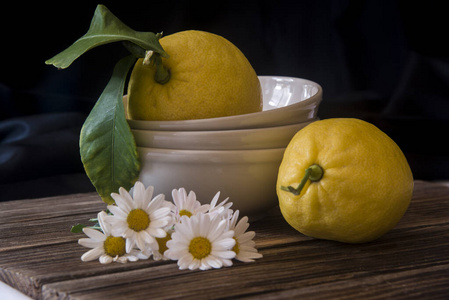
(41,258)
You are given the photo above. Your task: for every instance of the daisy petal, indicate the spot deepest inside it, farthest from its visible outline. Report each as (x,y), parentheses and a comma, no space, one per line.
(120,229)
(103,224)
(121,259)
(246,257)
(132,258)
(244,249)
(203,266)
(217,229)
(183,230)
(214,200)
(226,243)
(139,195)
(94,234)
(214,262)
(185,261)
(178,197)
(149,195)
(247,236)
(125,195)
(90,243)
(159,223)
(120,202)
(117,212)
(227,262)
(141,239)
(195,264)
(224,254)
(157,232)
(130,245)
(105,259)
(160,213)
(92,254)
(156,203)
(241,226)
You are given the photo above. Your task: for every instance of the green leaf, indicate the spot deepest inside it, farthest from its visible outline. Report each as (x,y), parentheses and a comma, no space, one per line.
(78,228)
(105,28)
(137,51)
(107,147)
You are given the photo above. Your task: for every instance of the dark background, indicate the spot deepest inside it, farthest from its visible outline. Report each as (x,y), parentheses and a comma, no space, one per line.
(386,62)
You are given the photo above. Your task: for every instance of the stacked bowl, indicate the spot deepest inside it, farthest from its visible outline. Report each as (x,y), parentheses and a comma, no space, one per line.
(237,155)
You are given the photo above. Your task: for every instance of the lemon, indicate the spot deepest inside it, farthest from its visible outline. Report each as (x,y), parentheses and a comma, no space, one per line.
(343,180)
(208,77)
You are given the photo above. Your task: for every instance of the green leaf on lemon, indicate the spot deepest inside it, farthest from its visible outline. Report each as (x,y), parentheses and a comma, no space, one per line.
(107,147)
(106,28)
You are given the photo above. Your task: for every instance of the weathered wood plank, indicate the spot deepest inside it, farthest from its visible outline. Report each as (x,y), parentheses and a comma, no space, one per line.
(47,208)
(425,283)
(40,257)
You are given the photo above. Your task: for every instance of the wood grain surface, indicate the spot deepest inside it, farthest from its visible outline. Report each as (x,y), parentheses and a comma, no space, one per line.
(41,258)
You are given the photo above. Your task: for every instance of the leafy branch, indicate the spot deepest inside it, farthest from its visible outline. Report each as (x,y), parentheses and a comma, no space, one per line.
(107,147)
(106,28)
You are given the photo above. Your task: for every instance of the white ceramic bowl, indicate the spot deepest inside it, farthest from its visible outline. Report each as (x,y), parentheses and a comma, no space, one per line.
(247,177)
(286,100)
(259,138)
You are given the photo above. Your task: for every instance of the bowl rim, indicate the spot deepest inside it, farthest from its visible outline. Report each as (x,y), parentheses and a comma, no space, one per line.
(244,156)
(244,131)
(314,99)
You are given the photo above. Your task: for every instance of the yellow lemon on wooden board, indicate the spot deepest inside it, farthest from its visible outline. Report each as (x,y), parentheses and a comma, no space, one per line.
(343,180)
(206,77)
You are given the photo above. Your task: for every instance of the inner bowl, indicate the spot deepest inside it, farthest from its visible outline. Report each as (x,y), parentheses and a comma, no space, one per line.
(258,138)
(247,177)
(286,100)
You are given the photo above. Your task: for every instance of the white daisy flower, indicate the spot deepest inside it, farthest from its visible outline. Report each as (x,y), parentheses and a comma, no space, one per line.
(105,246)
(139,218)
(187,205)
(201,242)
(222,209)
(244,246)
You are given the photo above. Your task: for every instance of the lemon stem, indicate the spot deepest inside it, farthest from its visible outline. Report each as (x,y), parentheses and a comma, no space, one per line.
(162,75)
(313,173)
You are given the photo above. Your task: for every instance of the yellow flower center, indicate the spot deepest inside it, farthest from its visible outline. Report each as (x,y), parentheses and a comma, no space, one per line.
(236,248)
(138,220)
(114,246)
(200,247)
(162,242)
(185,212)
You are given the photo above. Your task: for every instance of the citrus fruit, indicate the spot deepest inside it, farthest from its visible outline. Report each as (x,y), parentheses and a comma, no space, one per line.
(208,77)
(343,180)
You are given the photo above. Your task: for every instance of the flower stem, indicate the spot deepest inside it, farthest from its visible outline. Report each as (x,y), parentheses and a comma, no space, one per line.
(313,173)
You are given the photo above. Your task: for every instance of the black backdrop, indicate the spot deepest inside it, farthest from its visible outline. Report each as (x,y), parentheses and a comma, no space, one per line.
(386,62)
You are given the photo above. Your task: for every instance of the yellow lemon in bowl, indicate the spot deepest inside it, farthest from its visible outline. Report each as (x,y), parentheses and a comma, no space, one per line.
(343,180)
(206,76)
